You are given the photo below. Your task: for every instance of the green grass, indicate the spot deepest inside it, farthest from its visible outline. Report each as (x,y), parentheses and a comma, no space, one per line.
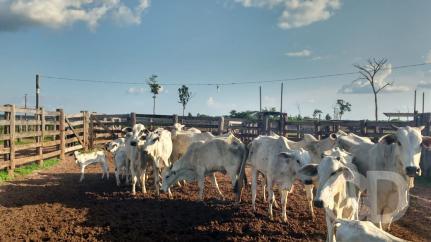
(27,169)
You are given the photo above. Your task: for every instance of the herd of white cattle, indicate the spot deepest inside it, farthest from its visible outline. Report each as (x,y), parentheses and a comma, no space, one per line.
(329,168)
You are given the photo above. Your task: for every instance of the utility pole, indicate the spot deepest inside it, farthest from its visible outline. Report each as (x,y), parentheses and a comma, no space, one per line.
(37,91)
(260,98)
(281,112)
(423,102)
(281,99)
(414,108)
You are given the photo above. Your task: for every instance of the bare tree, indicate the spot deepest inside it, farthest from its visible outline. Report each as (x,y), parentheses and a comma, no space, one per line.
(369,72)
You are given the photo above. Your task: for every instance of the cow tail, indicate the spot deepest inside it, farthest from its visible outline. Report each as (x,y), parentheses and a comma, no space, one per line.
(241,177)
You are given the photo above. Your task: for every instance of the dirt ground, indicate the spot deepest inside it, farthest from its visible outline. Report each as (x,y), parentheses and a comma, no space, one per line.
(52,205)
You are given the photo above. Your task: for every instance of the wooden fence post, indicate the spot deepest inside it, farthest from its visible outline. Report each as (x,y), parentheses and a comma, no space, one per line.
(39,149)
(363,127)
(132,119)
(317,130)
(62,130)
(91,130)
(221,125)
(175,118)
(85,129)
(10,116)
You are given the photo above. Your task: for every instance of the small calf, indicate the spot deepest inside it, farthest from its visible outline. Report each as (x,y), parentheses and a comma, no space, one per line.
(122,165)
(83,160)
(358,231)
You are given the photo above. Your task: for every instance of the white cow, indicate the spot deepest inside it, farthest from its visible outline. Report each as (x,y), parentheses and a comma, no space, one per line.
(177,127)
(133,142)
(399,153)
(122,165)
(359,231)
(315,147)
(157,150)
(335,192)
(204,158)
(272,156)
(85,159)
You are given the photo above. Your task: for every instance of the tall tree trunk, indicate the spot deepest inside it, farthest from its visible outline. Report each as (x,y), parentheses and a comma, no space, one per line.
(376,112)
(184,108)
(154,104)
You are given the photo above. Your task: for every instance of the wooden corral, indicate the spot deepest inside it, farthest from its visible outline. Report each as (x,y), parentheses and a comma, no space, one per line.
(30,135)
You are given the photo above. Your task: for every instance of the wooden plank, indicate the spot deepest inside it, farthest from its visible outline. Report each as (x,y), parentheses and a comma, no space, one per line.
(5,108)
(51,154)
(74,123)
(51,132)
(103,135)
(28,159)
(70,132)
(51,113)
(4,151)
(4,122)
(27,146)
(51,143)
(48,122)
(102,141)
(102,116)
(27,134)
(26,110)
(27,122)
(75,115)
(71,140)
(76,134)
(73,148)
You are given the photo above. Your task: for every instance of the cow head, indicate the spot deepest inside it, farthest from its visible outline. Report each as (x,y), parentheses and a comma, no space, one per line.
(138,133)
(295,159)
(331,171)
(151,142)
(405,147)
(172,174)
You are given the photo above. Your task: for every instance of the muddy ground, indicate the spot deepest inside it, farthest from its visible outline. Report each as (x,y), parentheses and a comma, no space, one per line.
(53,205)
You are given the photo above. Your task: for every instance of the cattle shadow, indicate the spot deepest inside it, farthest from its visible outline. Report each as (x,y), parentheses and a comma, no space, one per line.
(120,215)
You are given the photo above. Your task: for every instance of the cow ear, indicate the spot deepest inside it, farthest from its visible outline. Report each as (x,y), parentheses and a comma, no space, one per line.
(146,131)
(309,170)
(126,130)
(348,174)
(76,153)
(388,139)
(156,139)
(333,136)
(420,128)
(143,137)
(426,142)
(285,155)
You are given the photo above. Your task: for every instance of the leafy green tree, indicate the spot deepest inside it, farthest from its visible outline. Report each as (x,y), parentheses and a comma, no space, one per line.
(184,96)
(317,113)
(155,89)
(328,117)
(343,107)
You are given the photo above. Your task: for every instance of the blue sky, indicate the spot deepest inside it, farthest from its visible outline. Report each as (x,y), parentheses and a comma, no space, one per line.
(195,41)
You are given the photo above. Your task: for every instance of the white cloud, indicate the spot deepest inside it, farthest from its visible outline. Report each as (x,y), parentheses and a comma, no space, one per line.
(428,58)
(17,14)
(212,103)
(135,90)
(302,53)
(363,86)
(297,13)
(424,84)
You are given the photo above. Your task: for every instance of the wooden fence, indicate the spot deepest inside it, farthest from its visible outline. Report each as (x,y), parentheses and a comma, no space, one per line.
(30,135)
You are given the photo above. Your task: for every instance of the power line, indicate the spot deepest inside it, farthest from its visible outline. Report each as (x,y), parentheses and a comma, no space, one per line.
(233,83)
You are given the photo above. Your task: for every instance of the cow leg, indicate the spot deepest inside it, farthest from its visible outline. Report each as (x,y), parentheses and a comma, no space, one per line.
(329,225)
(106,170)
(284,194)
(270,198)
(309,191)
(117,176)
(82,173)
(179,184)
(263,187)
(215,184)
(201,185)
(156,180)
(253,187)
(127,171)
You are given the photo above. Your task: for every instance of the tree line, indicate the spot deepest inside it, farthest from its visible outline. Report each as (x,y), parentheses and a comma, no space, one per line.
(368,71)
